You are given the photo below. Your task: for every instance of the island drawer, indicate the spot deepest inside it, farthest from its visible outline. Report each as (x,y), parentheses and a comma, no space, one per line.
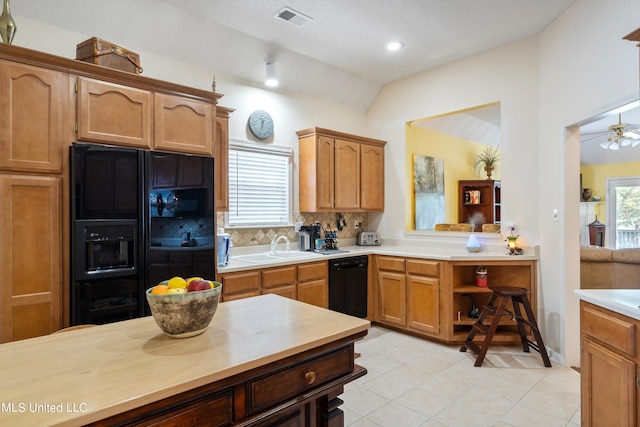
(276,387)
(609,328)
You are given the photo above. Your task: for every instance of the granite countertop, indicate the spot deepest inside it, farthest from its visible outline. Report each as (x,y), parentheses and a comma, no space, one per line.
(85,375)
(623,301)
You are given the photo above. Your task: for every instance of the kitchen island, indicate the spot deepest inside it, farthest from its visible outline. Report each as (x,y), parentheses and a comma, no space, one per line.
(610,361)
(263,360)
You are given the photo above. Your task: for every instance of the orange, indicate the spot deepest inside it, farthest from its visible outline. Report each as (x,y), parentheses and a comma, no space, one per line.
(160,289)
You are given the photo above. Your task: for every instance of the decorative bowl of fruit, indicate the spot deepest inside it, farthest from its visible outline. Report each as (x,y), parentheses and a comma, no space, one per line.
(184,307)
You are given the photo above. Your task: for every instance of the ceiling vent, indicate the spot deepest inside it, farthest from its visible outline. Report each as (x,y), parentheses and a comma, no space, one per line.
(292,16)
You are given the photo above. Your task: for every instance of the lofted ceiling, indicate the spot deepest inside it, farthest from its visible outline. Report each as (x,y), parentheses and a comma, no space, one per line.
(339,55)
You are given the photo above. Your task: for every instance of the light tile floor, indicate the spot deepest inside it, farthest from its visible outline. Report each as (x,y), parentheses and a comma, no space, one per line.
(416,382)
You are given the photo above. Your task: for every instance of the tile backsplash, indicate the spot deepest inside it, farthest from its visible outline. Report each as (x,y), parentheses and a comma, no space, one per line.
(263,236)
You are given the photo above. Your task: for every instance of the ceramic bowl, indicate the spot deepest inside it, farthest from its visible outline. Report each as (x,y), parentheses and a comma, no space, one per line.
(185,315)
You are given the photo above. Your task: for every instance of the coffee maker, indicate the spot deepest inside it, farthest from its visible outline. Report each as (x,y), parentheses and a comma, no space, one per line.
(308,235)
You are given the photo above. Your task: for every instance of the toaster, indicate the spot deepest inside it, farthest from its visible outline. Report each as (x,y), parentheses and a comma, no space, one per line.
(368,238)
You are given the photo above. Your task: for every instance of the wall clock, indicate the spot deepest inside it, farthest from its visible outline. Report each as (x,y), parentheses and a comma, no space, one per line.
(261,124)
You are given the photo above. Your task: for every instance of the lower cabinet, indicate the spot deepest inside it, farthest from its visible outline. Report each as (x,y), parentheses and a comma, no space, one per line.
(306,282)
(30,256)
(609,367)
(408,294)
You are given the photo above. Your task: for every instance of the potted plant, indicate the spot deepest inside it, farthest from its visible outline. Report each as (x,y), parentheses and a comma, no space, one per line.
(489,158)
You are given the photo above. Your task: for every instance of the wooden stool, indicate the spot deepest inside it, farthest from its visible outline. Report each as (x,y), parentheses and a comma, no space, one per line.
(502,294)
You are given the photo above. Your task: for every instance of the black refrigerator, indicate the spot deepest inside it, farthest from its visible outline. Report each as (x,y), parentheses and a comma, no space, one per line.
(137,217)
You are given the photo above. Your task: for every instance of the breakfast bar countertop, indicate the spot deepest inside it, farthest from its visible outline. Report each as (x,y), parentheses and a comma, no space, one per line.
(623,301)
(81,376)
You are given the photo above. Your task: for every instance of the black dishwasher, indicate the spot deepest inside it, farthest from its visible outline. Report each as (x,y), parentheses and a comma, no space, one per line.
(348,285)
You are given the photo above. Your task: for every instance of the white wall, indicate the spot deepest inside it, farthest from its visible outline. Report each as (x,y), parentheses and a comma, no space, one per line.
(576,68)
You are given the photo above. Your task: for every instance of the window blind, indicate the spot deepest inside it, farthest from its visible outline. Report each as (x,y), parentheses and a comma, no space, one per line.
(259,185)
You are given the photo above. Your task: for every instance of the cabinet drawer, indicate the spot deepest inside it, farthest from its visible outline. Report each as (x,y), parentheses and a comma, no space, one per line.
(312,271)
(611,330)
(213,411)
(279,386)
(278,276)
(238,282)
(418,267)
(391,264)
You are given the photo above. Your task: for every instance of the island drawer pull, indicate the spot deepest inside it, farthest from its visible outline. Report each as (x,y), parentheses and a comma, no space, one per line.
(310,377)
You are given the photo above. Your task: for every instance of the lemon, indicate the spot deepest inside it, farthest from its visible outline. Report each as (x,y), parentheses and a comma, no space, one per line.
(177,282)
(176,291)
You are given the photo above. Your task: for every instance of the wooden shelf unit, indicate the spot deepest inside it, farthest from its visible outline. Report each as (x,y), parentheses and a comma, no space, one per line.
(488,207)
(461,277)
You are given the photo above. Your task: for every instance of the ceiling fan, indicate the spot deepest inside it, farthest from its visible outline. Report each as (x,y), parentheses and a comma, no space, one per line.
(620,135)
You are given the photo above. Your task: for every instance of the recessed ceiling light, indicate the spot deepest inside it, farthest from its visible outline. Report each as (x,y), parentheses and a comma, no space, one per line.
(393,46)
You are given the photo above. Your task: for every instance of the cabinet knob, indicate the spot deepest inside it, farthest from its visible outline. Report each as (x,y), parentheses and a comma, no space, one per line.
(310,377)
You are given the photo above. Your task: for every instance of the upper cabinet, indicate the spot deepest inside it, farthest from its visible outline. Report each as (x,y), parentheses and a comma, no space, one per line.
(122,115)
(221,154)
(113,113)
(340,172)
(183,124)
(33,103)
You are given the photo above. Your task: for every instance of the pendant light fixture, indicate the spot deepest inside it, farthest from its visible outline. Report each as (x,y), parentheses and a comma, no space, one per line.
(272,79)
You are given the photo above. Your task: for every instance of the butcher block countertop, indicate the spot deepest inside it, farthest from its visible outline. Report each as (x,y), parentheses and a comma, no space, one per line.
(85,375)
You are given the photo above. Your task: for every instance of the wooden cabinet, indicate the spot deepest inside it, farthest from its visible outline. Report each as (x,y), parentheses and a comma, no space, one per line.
(35,119)
(114,114)
(221,154)
(32,108)
(182,124)
(408,294)
(340,172)
(461,282)
(479,202)
(123,115)
(307,282)
(609,367)
(110,185)
(30,256)
(313,283)
(177,171)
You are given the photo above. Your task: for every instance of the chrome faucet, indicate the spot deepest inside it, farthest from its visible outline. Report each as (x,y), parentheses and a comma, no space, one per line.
(276,239)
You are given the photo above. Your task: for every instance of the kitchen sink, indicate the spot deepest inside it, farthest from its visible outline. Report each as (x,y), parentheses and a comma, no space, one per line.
(274,256)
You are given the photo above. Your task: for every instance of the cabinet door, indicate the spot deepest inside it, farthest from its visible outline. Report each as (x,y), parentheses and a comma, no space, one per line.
(324,173)
(371,178)
(164,170)
(191,171)
(392,298)
(110,186)
(314,292)
(608,387)
(112,113)
(423,306)
(183,125)
(288,291)
(221,154)
(347,175)
(32,103)
(30,256)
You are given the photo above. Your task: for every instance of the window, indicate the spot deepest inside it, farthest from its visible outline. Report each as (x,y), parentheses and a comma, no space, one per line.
(259,185)
(623,216)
